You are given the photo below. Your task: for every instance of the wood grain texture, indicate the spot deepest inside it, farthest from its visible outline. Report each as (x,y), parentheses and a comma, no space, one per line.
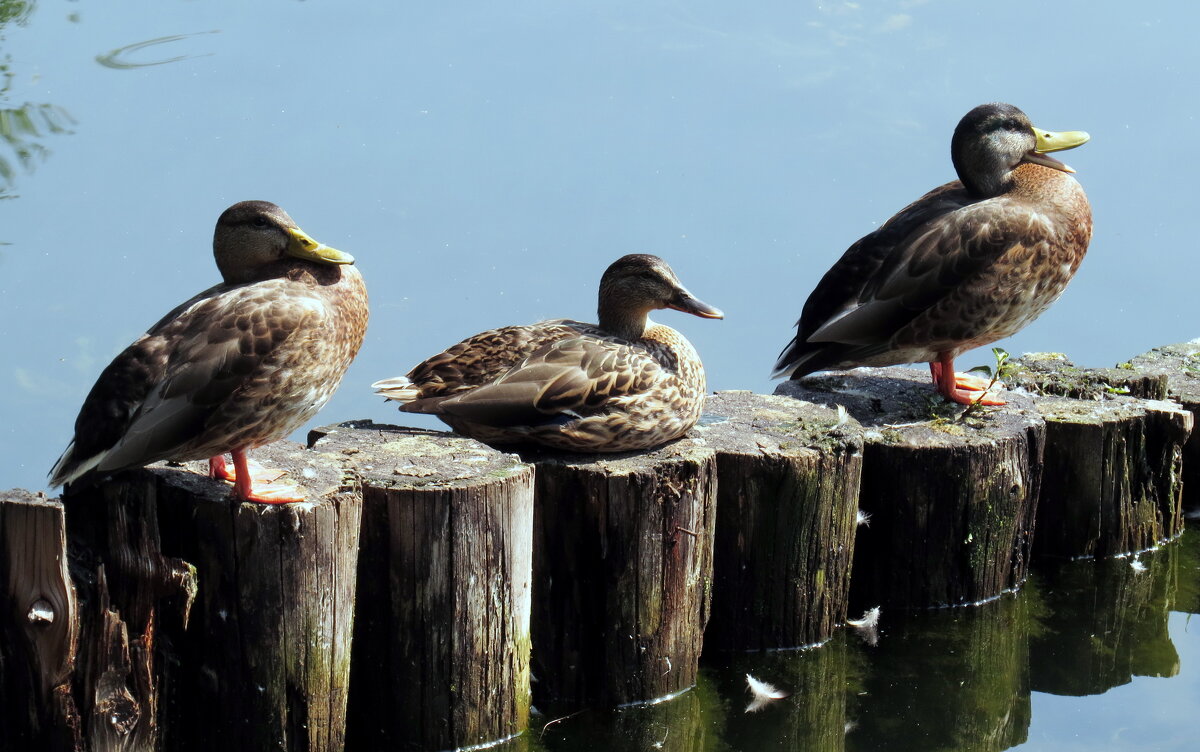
(442,627)
(1111,482)
(622,573)
(262,659)
(39,625)
(951,503)
(1181,365)
(788,483)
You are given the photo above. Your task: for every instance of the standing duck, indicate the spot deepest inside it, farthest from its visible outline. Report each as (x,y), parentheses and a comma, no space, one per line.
(622,384)
(239,365)
(968,263)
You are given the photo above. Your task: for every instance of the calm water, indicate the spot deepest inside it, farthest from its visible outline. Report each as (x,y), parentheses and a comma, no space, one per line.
(1088,656)
(485,162)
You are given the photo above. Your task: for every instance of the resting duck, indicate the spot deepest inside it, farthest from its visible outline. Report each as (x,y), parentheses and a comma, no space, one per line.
(625,383)
(241,364)
(968,263)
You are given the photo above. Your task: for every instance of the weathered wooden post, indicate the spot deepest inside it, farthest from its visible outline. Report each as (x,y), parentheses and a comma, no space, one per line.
(441,639)
(622,573)
(950,503)
(261,660)
(1181,366)
(787,493)
(39,625)
(1111,483)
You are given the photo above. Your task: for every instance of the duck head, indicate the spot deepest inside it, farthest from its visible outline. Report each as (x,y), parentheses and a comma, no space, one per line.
(639,283)
(992,139)
(252,235)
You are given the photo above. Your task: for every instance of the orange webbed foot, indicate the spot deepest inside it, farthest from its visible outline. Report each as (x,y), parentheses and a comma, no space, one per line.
(253,482)
(964,388)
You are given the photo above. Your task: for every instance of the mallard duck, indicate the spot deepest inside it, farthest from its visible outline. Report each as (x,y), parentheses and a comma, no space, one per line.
(239,365)
(622,384)
(968,263)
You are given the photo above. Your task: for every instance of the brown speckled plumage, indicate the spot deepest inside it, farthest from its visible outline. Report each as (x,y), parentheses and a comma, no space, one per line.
(970,262)
(241,364)
(626,383)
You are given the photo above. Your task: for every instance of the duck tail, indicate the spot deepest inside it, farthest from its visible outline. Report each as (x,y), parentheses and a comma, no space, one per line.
(70,468)
(791,362)
(398,389)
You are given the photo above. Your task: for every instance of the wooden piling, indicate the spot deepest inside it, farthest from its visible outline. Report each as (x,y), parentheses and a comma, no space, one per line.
(1181,365)
(1111,483)
(441,639)
(788,481)
(622,573)
(39,625)
(226,625)
(949,502)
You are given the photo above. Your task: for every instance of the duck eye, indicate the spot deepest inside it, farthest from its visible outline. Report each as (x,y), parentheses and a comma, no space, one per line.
(260,221)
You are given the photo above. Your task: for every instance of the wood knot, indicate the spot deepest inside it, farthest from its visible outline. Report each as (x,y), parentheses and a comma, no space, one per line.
(41,613)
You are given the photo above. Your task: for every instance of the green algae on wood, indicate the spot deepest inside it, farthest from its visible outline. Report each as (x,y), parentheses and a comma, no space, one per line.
(1054,374)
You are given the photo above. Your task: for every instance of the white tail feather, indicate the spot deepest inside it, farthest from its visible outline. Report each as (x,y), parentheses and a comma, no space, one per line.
(59,476)
(399,389)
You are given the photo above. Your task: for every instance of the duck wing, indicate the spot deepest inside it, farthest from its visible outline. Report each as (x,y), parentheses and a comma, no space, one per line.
(161,394)
(484,357)
(565,379)
(890,277)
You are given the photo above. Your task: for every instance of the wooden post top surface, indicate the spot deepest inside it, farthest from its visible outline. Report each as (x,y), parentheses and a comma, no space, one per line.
(742,421)
(623,463)
(1055,374)
(899,405)
(388,456)
(317,476)
(1180,363)
(1112,409)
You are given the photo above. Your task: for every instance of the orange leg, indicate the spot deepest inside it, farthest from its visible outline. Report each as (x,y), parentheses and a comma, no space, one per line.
(243,478)
(218,469)
(959,387)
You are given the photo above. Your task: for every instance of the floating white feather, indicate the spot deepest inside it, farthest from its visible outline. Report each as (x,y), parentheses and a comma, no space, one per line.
(763,694)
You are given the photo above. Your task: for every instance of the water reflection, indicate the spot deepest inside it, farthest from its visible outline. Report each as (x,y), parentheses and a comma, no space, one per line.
(954,679)
(22,128)
(813,717)
(118,58)
(690,722)
(1105,622)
